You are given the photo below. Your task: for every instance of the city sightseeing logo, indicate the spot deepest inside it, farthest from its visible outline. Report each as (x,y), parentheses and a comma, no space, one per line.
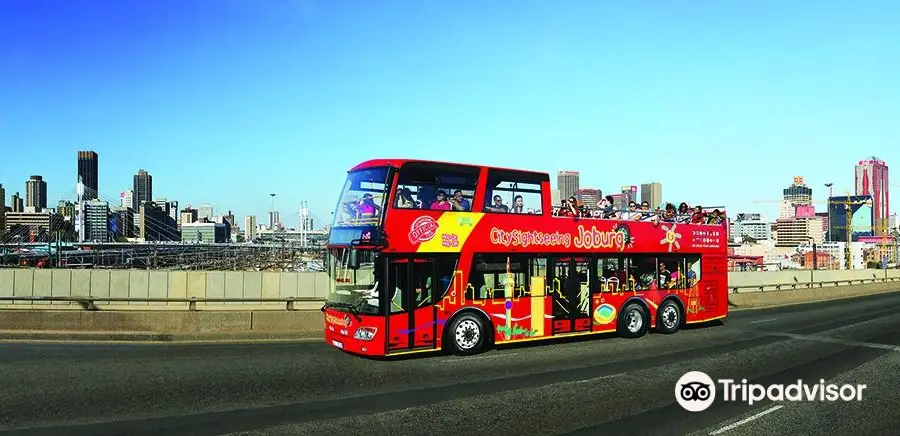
(422,229)
(695,391)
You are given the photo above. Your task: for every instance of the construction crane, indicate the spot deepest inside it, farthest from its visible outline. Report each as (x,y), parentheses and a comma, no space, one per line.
(848,224)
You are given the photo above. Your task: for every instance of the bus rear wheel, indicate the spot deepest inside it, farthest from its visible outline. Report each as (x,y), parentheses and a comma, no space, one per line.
(633,321)
(467,335)
(668,318)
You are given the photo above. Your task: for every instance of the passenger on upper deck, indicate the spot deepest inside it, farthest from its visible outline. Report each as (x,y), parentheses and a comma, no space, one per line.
(716,217)
(669,214)
(518,205)
(405,199)
(459,203)
(498,205)
(570,208)
(698,217)
(607,210)
(441,202)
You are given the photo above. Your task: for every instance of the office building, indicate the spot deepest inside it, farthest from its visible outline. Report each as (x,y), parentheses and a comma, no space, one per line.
(589,197)
(630,193)
(752,226)
(205,233)
(862,217)
(871,178)
(652,194)
(798,194)
(121,223)
(188,216)
(66,209)
(567,183)
(26,227)
(156,224)
(127,199)
(36,194)
(2,211)
(87,174)
(143,188)
(795,231)
(17,203)
(94,227)
(274,220)
(205,211)
(249,228)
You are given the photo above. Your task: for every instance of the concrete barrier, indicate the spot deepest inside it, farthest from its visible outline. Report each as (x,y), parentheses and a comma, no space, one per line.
(753,300)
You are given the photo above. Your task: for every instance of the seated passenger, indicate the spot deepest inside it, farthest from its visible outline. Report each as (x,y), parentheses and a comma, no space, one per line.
(518,205)
(570,208)
(607,209)
(716,217)
(698,217)
(441,202)
(631,214)
(498,205)
(664,276)
(405,199)
(684,213)
(669,214)
(366,209)
(459,203)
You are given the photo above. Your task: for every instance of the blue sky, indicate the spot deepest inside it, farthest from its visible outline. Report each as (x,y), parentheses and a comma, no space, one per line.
(227,101)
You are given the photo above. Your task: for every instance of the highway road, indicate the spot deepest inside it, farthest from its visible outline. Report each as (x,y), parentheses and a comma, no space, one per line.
(597,386)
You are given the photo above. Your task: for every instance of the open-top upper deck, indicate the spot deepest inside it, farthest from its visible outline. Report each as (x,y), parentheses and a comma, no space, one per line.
(428,206)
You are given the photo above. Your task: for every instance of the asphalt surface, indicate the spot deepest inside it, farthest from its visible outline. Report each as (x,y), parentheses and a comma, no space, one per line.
(596,386)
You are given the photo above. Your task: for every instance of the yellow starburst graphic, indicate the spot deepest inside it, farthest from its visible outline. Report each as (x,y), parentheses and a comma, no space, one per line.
(671,238)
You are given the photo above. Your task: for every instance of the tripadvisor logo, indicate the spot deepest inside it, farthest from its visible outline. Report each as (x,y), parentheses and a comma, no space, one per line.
(696,391)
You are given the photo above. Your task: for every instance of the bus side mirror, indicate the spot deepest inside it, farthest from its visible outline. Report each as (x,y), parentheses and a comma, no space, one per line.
(353,261)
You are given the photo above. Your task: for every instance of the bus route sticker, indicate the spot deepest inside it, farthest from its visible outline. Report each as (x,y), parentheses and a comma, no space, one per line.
(422,229)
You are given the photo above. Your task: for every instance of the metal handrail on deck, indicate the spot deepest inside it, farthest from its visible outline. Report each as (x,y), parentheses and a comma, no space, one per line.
(810,285)
(88,302)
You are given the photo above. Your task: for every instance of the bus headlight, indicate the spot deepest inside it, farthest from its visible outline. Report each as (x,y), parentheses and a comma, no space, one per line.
(365,333)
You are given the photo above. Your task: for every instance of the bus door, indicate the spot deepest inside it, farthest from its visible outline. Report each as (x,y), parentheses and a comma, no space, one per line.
(571,289)
(410,291)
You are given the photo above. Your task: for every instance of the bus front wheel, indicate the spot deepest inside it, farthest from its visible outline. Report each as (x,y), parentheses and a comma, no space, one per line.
(467,335)
(633,321)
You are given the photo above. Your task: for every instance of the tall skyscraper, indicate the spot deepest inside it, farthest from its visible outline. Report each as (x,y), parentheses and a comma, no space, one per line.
(205,211)
(36,193)
(652,194)
(872,179)
(567,183)
(17,203)
(143,188)
(249,228)
(88,174)
(798,194)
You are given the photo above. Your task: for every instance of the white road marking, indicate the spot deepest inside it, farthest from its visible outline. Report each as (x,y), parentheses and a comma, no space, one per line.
(763,320)
(746,420)
(593,379)
(837,341)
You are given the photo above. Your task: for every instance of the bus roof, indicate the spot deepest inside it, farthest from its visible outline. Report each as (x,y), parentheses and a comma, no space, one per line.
(397,163)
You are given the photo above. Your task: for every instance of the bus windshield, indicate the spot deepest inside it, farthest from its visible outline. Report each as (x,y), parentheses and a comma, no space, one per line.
(362,199)
(353,288)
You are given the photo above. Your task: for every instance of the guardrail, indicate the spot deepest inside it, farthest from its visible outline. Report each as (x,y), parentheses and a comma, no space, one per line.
(811,285)
(88,302)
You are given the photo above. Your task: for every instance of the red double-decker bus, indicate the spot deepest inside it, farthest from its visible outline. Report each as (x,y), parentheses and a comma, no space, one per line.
(427,255)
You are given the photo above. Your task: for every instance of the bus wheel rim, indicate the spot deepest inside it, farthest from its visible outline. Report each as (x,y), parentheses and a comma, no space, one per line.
(635,321)
(670,316)
(467,334)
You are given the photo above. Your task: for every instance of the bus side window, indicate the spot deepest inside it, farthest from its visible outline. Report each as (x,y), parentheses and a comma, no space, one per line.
(513,192)
(692,270)
(489,277)
(641,272)
(673,269)
(419,185)
(446,275)
(611,276)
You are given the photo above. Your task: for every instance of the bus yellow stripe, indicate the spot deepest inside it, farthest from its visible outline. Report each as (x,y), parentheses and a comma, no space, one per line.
(455,227)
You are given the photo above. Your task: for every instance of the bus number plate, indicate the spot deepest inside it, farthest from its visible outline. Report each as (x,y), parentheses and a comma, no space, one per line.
(337,344)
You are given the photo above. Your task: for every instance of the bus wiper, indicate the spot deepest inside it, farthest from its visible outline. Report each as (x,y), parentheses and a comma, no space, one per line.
(352,308)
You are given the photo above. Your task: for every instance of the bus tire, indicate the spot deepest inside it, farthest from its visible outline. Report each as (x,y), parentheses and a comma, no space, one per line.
(467,335)
(633,321)
(669,317)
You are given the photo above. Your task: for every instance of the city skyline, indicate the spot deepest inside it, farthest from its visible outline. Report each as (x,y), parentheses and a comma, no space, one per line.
(150,86)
